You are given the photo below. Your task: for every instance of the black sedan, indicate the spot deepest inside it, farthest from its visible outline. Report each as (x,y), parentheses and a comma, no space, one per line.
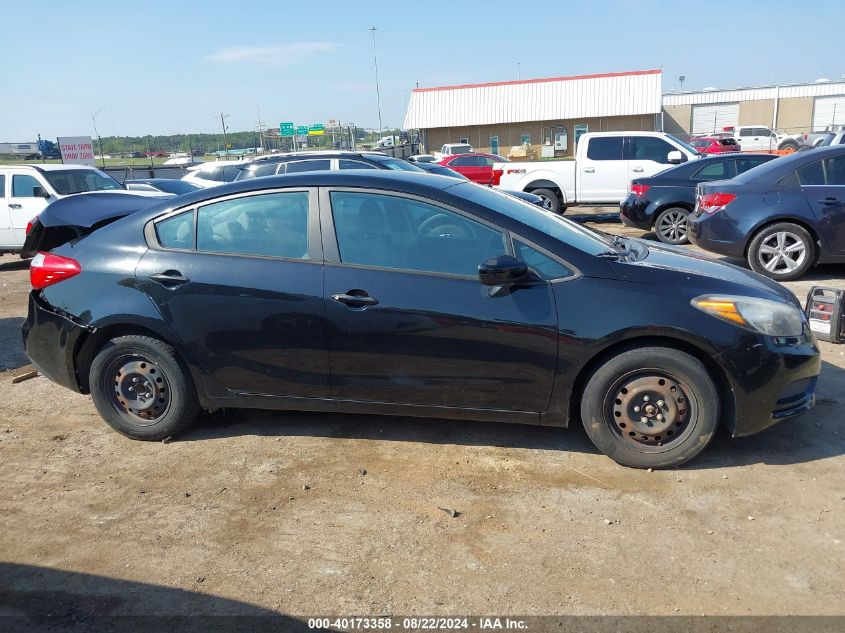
(783,217)
(662,202)
(411,294)
(163,185)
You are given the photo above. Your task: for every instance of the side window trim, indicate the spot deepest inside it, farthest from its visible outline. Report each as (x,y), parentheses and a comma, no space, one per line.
(576,272)
(331,250)
(315,246)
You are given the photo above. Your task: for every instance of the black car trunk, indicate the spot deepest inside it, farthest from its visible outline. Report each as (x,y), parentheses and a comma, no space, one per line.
(76,216)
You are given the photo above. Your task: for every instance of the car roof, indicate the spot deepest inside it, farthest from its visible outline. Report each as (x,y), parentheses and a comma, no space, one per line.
(785,164)
(331,153)
(55,167)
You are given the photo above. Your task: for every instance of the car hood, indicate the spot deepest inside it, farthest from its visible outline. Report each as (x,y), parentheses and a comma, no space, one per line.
(678,269)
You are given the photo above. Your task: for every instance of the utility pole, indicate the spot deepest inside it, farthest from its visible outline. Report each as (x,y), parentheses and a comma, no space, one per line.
(378,94)
(93,116)
(260,129)
(223,118)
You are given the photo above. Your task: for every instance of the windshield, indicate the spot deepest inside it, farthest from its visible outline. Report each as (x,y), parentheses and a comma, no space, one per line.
(537,218)
(395,163)
(68,181)
(686,146)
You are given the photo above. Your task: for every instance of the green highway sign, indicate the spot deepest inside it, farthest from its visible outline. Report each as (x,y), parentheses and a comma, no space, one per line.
(286,129)
(301,130)
(318,129)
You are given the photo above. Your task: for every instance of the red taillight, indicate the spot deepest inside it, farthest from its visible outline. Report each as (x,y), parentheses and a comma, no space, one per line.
(639,190)
(29,226)
(47,269)
(710,203)
(497,176)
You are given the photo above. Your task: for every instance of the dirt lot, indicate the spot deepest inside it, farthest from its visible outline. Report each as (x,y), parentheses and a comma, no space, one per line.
(337,514)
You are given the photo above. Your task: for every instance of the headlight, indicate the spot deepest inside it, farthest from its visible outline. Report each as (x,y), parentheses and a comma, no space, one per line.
(760,315)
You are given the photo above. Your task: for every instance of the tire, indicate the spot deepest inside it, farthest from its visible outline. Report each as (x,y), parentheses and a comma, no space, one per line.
(624,396)
(765,255)
(789,145)
(670,225)
(551,196)
(127,364)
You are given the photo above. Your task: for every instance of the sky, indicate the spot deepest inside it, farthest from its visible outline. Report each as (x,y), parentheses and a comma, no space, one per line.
(167,67)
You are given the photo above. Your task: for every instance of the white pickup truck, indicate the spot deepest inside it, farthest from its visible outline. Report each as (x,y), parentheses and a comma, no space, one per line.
(604,165)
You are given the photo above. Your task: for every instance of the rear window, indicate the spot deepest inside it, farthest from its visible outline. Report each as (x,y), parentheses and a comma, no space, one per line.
(460,149)
(394,163)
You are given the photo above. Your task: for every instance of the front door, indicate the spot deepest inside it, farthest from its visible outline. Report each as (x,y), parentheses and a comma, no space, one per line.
(23,204)
(602,171)
(648,155)
(409,322)
(6,234)
(240,281)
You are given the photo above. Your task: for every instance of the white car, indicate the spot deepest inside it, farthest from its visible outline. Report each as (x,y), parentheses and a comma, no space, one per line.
(604,165)
(26,190)
(756,138)
(450,149)
(214,173)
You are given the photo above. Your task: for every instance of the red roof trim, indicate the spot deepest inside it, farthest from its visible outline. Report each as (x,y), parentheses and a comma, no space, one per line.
(542,80)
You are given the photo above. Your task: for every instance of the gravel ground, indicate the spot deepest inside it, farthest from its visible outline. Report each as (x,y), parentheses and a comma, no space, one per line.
(304,514)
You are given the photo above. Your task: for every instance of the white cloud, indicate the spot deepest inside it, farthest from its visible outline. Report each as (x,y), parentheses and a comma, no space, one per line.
(279,55)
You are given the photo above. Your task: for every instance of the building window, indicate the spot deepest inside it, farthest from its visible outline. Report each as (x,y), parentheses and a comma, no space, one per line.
(526,139)
(464,140)
(494,145)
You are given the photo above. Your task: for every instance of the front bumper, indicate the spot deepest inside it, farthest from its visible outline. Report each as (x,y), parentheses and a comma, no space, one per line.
(50,339)
(772,380)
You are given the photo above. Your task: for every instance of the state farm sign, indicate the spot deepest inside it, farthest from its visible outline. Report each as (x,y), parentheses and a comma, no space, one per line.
(77,150)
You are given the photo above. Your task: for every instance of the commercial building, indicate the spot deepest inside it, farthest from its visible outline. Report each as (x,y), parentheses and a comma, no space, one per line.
(546,115)
(794,108)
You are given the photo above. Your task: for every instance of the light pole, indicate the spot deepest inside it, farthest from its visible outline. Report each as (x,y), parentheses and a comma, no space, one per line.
(378,94)
(93,116)
(682,79)
(223,118)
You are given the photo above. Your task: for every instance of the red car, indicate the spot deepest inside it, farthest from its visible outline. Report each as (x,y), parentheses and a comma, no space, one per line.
(715,144)
(477,167)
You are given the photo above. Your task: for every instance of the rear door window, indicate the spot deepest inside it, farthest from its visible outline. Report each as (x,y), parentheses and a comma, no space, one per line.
(2,186)
(274,225)
(744,164)
(345,163)
(177,231)
(463,161)
(605,148)
(718,170)
(811,175)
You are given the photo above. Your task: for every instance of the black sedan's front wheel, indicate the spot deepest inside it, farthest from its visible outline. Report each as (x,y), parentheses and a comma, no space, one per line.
(141,389)
(651,407)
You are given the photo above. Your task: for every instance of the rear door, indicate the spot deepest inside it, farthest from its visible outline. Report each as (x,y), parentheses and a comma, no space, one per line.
(602,170)
(24,205)
(240,281)
(823,184)
(409,321)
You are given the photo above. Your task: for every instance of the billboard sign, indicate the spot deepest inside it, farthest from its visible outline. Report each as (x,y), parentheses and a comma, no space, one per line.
(77,150)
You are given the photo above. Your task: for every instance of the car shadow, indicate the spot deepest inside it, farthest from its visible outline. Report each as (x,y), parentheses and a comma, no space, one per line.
(45,599)
(16,264)
(12,355)
(811,437)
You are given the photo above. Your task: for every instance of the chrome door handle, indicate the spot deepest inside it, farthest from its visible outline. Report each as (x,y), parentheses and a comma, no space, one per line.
(590,170)
(636,169)
(15,206)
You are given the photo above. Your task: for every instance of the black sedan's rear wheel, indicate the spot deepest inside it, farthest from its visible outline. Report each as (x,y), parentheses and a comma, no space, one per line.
(671,226)
(782,251)
(651,407)
(141,389)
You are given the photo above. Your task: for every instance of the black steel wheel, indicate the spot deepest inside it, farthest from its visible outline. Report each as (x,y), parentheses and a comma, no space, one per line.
(141,389)
(650,407)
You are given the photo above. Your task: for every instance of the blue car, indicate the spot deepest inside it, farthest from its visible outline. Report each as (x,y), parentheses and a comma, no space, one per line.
(784,217)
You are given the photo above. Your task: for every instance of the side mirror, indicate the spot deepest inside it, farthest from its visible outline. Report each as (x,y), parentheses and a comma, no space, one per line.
(676,157)
(502,270)
(40,192)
